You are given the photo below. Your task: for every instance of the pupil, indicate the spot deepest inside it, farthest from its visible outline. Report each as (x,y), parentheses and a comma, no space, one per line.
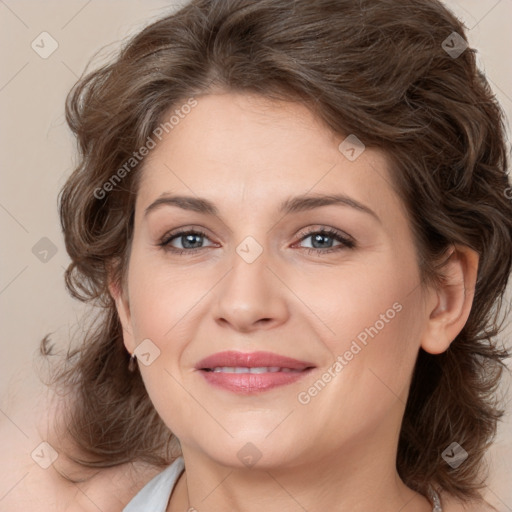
(190,238)
(320,239)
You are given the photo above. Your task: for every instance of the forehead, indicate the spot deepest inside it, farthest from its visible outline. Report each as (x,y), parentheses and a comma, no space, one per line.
(247,149)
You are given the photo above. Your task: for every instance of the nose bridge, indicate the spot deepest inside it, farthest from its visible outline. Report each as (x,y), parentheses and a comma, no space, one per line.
(250,295)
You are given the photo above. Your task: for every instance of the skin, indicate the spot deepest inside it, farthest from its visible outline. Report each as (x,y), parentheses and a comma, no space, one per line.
(27,486)
(246,155)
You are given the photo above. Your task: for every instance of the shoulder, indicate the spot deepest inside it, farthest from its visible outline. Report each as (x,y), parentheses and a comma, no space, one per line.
(31,479)
(31,487)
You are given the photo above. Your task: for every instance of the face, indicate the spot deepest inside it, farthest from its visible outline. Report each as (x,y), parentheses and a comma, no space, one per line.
(297,260)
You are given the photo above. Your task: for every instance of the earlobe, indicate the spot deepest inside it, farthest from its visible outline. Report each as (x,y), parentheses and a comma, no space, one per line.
(123,311)
(452,300)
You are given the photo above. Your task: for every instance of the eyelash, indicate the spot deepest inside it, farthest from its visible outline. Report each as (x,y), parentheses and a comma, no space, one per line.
(346,242)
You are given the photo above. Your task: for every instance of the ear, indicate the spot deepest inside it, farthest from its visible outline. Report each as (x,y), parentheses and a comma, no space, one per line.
(120,296)
(450,303)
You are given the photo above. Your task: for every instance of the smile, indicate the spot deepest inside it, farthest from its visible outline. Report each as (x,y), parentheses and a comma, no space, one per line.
(257,369)
(252,372)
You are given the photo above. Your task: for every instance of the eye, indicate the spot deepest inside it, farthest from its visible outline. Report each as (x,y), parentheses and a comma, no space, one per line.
(189,240)
(322,240)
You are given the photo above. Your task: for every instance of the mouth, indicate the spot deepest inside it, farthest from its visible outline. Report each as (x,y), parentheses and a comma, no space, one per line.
(253,372)
(245,369)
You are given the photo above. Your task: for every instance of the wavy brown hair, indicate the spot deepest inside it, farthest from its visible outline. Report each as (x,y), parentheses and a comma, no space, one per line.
(375,68)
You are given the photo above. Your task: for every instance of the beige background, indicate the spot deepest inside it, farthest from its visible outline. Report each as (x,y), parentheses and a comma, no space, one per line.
(37,156)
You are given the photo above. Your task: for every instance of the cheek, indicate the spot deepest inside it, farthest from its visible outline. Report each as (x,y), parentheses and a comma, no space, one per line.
(374,320)
(371,298)
(374,379)
(162,310)
(162,298)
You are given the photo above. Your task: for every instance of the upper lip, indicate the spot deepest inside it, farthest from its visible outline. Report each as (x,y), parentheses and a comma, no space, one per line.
(233,359)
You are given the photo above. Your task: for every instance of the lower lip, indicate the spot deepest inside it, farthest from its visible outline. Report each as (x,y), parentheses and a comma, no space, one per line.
(249,383)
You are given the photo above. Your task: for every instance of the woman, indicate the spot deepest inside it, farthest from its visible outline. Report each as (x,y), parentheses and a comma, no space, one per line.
(296,217)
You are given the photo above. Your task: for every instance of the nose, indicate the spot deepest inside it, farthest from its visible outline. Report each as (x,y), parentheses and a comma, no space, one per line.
(251,296)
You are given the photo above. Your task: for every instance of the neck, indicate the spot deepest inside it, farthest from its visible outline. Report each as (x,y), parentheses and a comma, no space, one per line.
(360,478)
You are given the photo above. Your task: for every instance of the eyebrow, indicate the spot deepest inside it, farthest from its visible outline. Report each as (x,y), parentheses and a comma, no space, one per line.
(291,205)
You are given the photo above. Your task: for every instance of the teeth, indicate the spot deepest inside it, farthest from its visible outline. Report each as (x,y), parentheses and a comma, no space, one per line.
(258,369)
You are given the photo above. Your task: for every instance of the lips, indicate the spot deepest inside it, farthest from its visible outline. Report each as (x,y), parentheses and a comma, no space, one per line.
(251,372)
(251,360)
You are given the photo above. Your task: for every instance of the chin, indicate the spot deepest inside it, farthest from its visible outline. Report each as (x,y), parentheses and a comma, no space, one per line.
(255,452)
